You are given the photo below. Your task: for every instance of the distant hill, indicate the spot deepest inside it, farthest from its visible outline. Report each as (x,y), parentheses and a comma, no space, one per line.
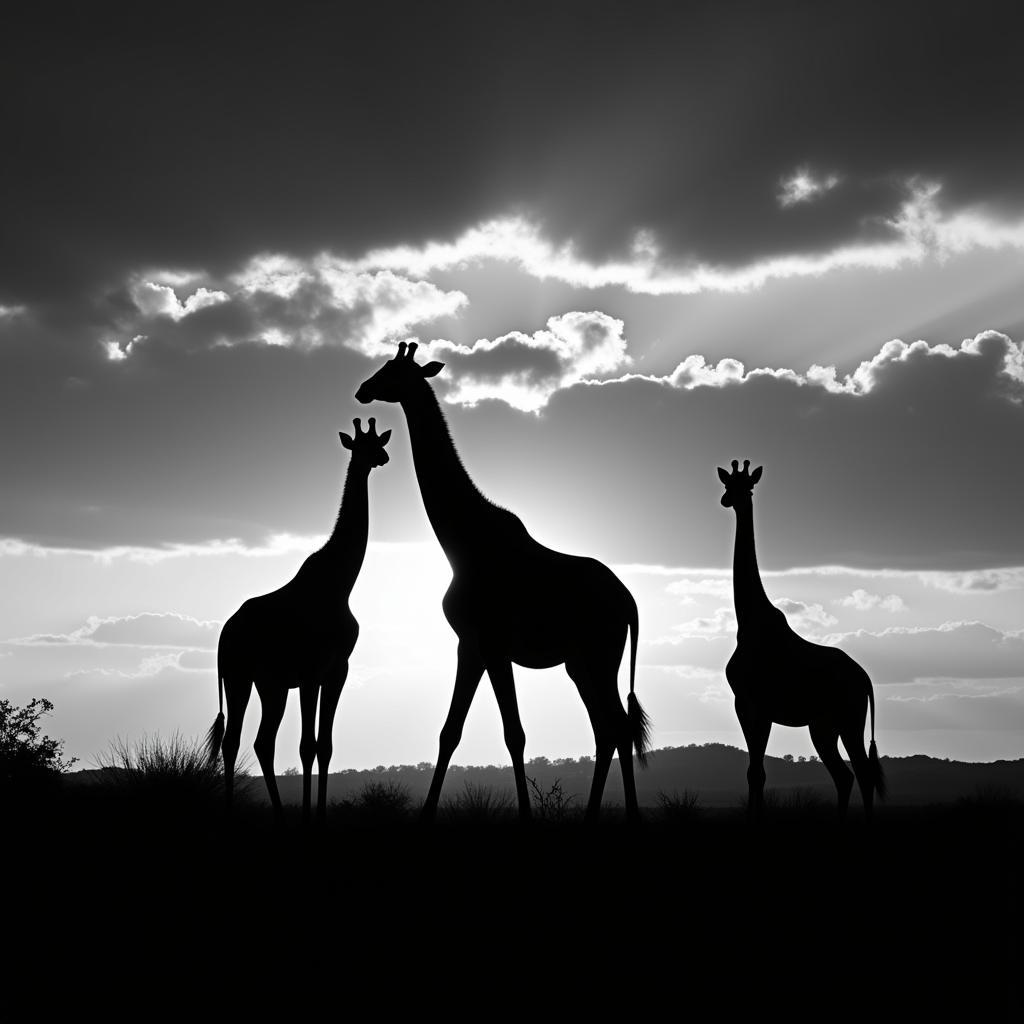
(714,771)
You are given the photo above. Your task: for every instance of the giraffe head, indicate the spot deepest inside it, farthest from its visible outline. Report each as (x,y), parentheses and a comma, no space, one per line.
(367,447)
(739,484)
(397,377)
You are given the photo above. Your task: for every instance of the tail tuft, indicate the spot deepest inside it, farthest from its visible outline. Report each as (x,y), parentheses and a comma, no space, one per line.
(214,738)
(877,775)
(639,729)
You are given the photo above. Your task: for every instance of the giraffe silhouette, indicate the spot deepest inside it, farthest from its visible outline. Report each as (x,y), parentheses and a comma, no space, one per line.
(778,676)
(512,600)
(299,636)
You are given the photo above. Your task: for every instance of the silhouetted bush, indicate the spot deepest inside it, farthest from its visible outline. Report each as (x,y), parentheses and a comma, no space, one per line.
(166,771)
(28,759)
(553,805)
(479,804)
(676,807)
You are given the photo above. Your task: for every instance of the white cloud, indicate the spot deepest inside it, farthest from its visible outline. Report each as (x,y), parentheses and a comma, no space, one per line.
(694,372)
(804,617)
(147,629)
(275,545)
(862,601)
(150,666)
(719,587)
(920,230)
(803,187)
(154,299)
(524,370)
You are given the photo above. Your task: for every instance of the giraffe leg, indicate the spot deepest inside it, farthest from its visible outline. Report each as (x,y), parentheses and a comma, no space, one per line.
(330,694)
(467,679)
(756,731)
(308,694)
(825,738)
(853,739)
(274,699)
(604,736)
(237,691)
(625,747)
(503,683)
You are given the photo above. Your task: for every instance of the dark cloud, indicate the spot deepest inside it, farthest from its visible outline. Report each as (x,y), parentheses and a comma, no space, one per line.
(956,650)
(236,129)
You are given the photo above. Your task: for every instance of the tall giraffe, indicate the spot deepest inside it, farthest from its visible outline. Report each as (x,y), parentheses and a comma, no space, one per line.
(299,636)
(777,676)
(512,600)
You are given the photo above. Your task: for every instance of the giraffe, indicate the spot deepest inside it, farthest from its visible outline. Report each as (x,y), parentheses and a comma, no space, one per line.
(512,600)
(778,676)
(299,636)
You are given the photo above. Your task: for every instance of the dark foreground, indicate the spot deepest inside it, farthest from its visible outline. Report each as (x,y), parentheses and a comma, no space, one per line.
(137,907)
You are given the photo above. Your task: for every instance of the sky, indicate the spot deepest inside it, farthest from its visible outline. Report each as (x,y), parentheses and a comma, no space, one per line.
(645,239)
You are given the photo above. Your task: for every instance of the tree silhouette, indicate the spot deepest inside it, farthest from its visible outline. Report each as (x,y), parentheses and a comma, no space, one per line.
(26,756)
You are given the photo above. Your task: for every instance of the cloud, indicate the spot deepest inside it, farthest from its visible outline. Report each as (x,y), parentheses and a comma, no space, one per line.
(153,300)
(274,546)
(954,650)
(719,587)
(695,372)
(804,617)
(868,468)
(147,629)
(862,601)
(525,370)
(149,667)
(803,187)
(919,229)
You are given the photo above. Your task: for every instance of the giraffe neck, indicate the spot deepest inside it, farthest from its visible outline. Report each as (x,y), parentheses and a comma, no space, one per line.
(346,546)
(752,605)
(453,504)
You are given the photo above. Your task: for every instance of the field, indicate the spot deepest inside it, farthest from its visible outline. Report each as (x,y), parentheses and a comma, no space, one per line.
(131,886)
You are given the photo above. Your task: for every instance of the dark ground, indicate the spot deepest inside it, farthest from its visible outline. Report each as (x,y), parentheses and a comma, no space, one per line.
(130,904)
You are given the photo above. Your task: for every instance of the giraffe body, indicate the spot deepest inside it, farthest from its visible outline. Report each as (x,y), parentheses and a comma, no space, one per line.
(299,637)
(779,677)
(514,601)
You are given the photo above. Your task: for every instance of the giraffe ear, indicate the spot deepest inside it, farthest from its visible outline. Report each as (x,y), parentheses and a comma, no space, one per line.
(723,476)
(431,369)
(346,441)
(756,475)
(385,437)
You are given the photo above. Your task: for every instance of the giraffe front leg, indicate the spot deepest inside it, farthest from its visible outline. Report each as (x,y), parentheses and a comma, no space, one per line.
(330,694)
(756,730)
(308,693)
(467,678)
(503,683)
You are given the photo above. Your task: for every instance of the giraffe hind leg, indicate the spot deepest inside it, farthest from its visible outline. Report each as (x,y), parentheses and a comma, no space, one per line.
(853,739)
(825,739)
(237,691)
(274,700)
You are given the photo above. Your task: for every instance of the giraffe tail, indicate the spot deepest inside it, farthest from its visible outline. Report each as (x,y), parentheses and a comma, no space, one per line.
(874,762)
(215,737)
(639,723)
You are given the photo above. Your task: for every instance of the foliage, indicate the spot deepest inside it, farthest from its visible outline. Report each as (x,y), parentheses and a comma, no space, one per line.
(26,755)
(678,807)
(554,805)
(174,769)
(479,803)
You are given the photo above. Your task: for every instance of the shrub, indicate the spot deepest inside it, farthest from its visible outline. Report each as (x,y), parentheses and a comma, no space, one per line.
(479,803)
(552,806)
(678,807)
(174,770)
(28,758)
